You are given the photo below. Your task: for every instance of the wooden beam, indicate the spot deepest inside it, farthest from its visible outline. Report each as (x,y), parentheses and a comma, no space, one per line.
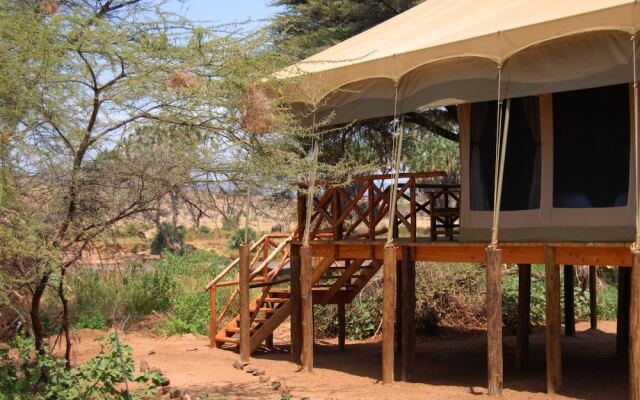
(399,302)
(553,322)
(306,271)
(634,331)
(622,321)
(388,314)
(296,305)
(569,306)
(245,322)
(213,316)
(494,321)
(524,313)
(341,327)
(593,297)
(407,354)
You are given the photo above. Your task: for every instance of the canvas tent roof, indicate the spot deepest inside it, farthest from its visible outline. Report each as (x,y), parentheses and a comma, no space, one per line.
(446,52)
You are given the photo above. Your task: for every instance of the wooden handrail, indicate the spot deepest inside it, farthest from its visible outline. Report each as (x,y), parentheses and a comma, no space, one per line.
(365,178)
(235,262)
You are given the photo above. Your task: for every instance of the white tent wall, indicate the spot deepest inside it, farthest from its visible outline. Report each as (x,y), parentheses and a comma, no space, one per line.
(546,224)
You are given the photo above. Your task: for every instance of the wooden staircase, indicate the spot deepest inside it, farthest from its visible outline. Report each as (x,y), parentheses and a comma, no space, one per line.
(334,282)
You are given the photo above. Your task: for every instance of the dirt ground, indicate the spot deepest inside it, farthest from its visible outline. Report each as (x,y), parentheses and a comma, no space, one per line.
(448,366)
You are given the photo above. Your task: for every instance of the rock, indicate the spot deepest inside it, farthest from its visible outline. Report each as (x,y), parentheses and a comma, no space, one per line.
(258,372)
(275,385)
(249,369)
(176,394)
(144,366)
(166,389)
(151,352)
(165,382)
(237,364)
(264,379)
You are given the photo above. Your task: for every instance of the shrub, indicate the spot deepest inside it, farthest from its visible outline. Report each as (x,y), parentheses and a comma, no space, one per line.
(100,378)
(237,238)
(205,230)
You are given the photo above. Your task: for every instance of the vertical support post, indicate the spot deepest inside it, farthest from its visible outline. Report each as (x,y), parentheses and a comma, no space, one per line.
(388,314)
(432,217)
(408,314)
(494,321)
(524,312)
(269,342)
(634,331)
(553,321)
(296,305)
(414,212)
(371,212)
(301,208)
(306,270)
(399,302)
(213,316)
(336,211)
(341,326)
(622,322)
(593,297)
(569,305)
(245,326)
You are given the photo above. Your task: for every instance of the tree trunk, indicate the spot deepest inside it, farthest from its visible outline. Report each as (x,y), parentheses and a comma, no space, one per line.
(65,318)
(36,319)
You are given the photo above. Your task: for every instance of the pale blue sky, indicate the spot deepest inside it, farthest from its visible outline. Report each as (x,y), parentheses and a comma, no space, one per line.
(222,11)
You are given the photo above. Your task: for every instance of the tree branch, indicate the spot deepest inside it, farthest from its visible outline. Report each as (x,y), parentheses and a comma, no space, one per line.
(434,128)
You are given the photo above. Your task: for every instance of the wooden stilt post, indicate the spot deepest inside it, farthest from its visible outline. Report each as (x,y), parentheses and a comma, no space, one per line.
(569,306)
(341,326)
(213,316)
(634,331)
(494,321)
(296,305)
(399,302)
(388,314)
(306,270)
(622,322)
(553,322)
(524,312)
(593,297)
(408,314)
(245,326)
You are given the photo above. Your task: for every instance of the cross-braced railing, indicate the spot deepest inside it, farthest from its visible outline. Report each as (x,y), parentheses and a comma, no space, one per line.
(359,209)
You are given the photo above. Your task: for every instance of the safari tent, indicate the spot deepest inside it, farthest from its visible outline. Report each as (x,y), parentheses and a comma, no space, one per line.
(547,106)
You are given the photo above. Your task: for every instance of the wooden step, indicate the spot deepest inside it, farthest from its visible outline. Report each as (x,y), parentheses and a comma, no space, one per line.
(263,309)
(276,300)
(223,339)
(237,329)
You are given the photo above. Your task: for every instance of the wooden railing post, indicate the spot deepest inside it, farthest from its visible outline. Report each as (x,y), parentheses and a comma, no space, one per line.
(494,321)
(245,323)
(412,205)
(306,272)
(336,211)
(301,211)
(213,316)
(388,314)
(553,321)
(634,330)
(296,305)
(371,210)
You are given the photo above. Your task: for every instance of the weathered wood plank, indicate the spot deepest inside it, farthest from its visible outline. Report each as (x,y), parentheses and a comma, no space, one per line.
(306,272)
(245,323)
(388,314)
(296,305)
(494,322)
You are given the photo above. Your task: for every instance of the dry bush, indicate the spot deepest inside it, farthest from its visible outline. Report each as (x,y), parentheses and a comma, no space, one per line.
(258,114)
(48,7)
(181,80)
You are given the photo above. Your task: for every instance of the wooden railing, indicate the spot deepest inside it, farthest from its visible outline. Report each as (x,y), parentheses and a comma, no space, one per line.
(269,255)
(360,209)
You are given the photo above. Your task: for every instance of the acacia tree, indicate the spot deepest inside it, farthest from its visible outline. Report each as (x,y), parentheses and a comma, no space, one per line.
(305,27)
(114,104)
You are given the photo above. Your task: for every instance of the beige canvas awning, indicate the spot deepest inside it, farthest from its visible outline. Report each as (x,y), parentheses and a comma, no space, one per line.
(447,52)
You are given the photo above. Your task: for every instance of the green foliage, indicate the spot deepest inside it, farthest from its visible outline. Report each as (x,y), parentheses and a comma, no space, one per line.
(102,377)
(95,320)
(205,230)
(433,153)
(230,225)
(237,238)
(169,238)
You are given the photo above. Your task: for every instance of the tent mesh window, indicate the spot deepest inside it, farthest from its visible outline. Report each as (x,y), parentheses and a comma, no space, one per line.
(521,185)
(591,144)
